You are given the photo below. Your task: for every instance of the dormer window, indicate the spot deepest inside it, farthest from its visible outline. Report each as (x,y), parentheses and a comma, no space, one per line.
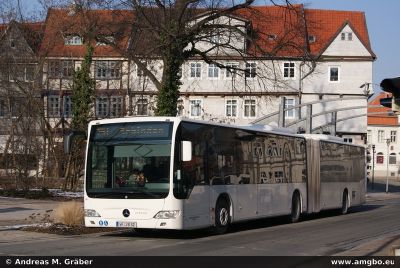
(12,43)
(271,37)
(311,38)
(73,40)
(105,40)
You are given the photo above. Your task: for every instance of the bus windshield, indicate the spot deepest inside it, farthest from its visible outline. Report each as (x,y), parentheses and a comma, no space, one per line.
(129,160)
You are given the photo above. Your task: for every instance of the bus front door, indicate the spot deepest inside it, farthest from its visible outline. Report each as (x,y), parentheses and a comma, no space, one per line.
(197,207)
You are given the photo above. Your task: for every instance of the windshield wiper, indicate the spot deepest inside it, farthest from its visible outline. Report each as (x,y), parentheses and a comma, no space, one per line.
(140,191)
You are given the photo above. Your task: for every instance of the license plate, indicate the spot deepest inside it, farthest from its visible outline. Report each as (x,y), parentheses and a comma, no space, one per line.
(129,224)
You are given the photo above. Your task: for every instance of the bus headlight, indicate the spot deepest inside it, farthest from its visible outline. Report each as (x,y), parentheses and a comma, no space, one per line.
(91,213)
(167,214)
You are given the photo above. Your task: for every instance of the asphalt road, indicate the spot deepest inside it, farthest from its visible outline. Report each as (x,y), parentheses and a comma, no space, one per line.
(323,234)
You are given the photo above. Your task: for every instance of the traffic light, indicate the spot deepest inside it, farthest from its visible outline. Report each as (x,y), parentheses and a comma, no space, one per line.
(392,85)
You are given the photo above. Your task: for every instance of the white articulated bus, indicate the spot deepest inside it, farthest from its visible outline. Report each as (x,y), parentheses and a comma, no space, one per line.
(174,173)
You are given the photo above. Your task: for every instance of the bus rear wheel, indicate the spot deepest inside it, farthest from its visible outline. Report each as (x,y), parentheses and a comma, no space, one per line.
(345,203)
(222,217)
(296,208)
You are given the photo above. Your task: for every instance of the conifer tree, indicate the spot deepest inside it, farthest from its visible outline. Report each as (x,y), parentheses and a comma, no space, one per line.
(83,93)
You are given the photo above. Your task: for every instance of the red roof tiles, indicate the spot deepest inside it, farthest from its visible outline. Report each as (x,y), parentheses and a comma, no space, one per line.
(292,27)
(60,23)
(325,25)
(278,31)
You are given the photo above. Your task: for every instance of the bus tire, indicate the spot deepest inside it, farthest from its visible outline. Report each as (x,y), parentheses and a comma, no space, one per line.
(345,203)
(296,208)
(222,216)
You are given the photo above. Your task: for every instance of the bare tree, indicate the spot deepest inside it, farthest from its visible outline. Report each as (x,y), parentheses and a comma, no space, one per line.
(175,31)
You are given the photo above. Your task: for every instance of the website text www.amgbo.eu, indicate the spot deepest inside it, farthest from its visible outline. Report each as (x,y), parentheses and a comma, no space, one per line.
(363,262)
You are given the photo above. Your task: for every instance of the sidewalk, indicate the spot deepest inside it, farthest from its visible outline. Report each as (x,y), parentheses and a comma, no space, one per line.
(17,212)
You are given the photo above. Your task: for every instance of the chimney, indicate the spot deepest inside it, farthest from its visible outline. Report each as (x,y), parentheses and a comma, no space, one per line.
(74,7)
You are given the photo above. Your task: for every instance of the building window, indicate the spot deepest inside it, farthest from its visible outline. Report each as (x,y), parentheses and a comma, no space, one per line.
(101,106)
(195,70)
(231,70)
(53,106)
(196,108)
(349,36)
(251,70)
(289,103)
(142,107)
(54,68)
(381,135)
(179,74)
(16,107)
(231,108)
(67,68)
(213,71)
(392,159)
(348,140)
(379,158)
(116,104)
(105,40)
(393,135)
(19,72)
(67,111)
(369,136)
(333,74)
(3,108)
(288,70)
(64,69)
(249,108)
(73,40)
(29,73)
(108,69)
(12,43)
(140,72)
(311,38)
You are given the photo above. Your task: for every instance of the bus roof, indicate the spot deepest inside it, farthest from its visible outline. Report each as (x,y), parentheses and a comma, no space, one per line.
(322,137)
(256,127)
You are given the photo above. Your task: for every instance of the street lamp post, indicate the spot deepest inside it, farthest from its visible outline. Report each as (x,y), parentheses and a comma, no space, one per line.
(373,165)
(387,166)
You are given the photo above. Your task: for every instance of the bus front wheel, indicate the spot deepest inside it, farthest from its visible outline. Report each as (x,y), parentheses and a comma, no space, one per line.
(296,208)
(222,217)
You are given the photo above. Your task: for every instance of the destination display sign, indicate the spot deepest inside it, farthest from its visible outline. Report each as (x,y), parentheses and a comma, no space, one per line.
(129,131)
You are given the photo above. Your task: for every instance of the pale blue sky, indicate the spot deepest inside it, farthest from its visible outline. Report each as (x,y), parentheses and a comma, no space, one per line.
(383,22)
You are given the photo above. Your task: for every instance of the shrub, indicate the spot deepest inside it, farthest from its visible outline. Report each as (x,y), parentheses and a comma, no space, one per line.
(69,213)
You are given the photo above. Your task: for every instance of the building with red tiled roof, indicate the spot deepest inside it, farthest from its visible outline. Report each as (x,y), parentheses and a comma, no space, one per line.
(91,26)
(383,127)
(304,55)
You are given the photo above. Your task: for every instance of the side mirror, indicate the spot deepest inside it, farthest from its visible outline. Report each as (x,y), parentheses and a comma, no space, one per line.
(186,151)
(69,139)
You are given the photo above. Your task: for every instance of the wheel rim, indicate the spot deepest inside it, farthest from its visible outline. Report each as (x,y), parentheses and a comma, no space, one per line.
(223,216)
